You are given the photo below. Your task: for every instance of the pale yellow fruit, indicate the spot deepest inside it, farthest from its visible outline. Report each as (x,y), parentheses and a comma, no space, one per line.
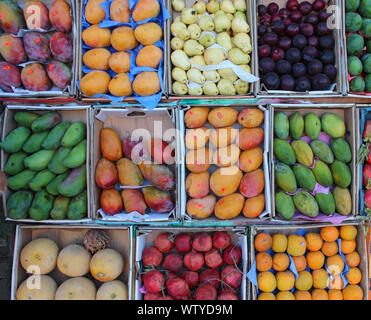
(37,287)
(112,290)
(78,288)
(106,265)
(74,261)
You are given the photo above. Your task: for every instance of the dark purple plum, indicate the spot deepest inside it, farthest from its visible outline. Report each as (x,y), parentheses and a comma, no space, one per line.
(323,15)
(260,41)
(270,38)
(326,42)
(330,71)
(318,5)
(327,56)
(284,12)
(309,53)
(296,16)
(262,10)
(278,54)
(278,27)
(302,84)
(271,80)
(314,66)
(292,29)
(265,50)
(320,82)
(284,43)
(293,55)
(292,5)
(283,67)
(307,29)
(272,8)
(299,69)
(287,82)
(305,7)
(276,17)
(299,41)
(322,29)
(262,30)
(266,65)
(266,19)
(313,41)
(287,21)
(312,18)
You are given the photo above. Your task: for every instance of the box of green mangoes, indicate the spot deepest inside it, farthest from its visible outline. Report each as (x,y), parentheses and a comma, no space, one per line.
(38,45)
(45,155)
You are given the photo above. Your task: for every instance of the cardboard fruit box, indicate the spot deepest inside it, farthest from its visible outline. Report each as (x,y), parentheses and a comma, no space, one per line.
(119,239)
(72,113)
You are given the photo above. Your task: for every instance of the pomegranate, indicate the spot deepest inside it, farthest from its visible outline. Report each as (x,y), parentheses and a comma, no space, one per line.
(231,276)
(210,276)
(232,255)
(191,277)
(153,281)
(151,257)
(173,262)
(164,243)
(213,259)
(205,292)
(194,260)
(221,240)
(202,242)
(177,287)
(183,243)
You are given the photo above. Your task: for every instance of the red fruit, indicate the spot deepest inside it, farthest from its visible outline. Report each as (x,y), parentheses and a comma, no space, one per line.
(213,259)
(278,54)
(132,151)
(210,276)
(292,5)
(231,276)
(152,296)
(369,154)
(232,255)
(221,240)
(275,17)
(305,7)
(161,152)
(153,281)
(367,131)
(318,5)
(177,287)
(183,243)
(227,296)
(173,262)
(368,198)
(292,29)
(163,242)
(307,29)
(191,277)
(284,12)
(166,297)
(296,16)
(202,242)
(194,260)
(264,50)
(151,256)
(266,19)
(285,43)
(366,174)
(287,21)
(272,8)
(170,275)
(205,292)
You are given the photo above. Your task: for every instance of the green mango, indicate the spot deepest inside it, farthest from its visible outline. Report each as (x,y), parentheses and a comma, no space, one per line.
(284,152)
(18,204)
(341,150)
(55,135)
(303,152)
(74,134)
(322,151)
(296,121)
(74,183)
(304,177)
(285,178)
(281,125)
(77,156)
(357,84)
(15,164)
(56,164)
(343,201)
(52,186)
(15,140)
(33,144)
(351,5)
(333,125)
(39,160)
(306,204)
(41,179)
(60,208)
(12,19)
(25,118)
(21,180)
(41,205)
(284,205)
(79,207)
(326,203)
(312,125)
(355,44)
(355,66)
(353,22)
(322,173)
(46,122)
(341,174)
(364,8)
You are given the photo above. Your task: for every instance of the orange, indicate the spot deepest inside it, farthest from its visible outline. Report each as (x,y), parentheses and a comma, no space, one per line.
(262,242)
(329,248)
(314,241)
(266,296)
(279,242)
(302,295)
(263,261)
(354,276)
(329,233)
(296,245)
(353,259)
(335,264)
(267,281)
(285,295)
(353,292)
(315,260)
(319,294)
(348,232)
(304,281)
(348,246)
(285,280)
(337,282)
(300,263)
(335,294)
(281,261)
(321,279)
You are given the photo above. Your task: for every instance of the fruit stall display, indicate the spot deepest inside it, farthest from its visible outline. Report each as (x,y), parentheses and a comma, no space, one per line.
(313,162)
(74,263)
(225,172)
(123,49)
(192,263)
(37,47)
(327,262)
(45,156)
(357,32)
(298,53)
(134,171)
(211,48)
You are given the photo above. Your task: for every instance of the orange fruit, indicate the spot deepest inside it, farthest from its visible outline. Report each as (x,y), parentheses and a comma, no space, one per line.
(329,248)
(279,242)
(319,294)
(353,259)
(267,281)
(354,276)
(296,245)
(304,281)
(262,242)
(266,296)
(321,279)
(353,292)
(300,263)
(336,283)
(348,232)
(334,294)
(315,260)
(263,261)
(285,280)
(348,246)
(302,295)
(335,264)
(285,295)
(329,233)
(314,241)
(281,261)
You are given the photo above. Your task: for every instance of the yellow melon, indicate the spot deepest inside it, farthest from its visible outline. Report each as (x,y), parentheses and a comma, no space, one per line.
(112,290)
(74,261)
(106,265)
(78,288)
(37,287)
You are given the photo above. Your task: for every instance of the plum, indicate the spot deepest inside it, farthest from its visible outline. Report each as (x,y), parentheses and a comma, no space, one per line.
(287,21)
(284,12)
(323,15)
(292,5)
(213,259)
(231,276)
(307,29)
(276,17)
(266,65)
(270,38)
(292,29)
(194,260)
(318,5)
(9,76)
(221,240)
(326,42)
(202,242)
(61,46)
(283,67)
(312,18)
(191,277)
(265,20)
(278,27)
(205,292)
(173,262)
(327,56)
(271,80)
(164,242)
(153,281)
(302,84)
(264,50)
(299,41)
(305,7)
(322,29)
(314,66)
(183,242)
(296,16)
(262,30)
(309,53)
(285,43)
(278,54)
(210,276)
(287,82)
(293,55)
(151,257)
(320,82)
(262,10)
(272,8)
(299,69)
(313,41)
(330,71)
(232,255)
(36,46)
(177,287)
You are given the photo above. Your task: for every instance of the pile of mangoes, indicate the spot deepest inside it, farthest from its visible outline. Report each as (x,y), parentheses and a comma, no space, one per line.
(46,167)
(125,164)
(311,169)
(229,167)
(112,53)
(45,44)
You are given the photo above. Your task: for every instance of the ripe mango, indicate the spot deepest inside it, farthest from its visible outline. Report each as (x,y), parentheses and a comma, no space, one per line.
(25,118)
(120,85)
(123,39)
(110,144)
(11,49)
(52,186)
(326,203)
(41,205)
(145,9)
(14,164)
(41,179)
(74,183)
(60,208)
(196,117)
(341,174)
(284,205)
(254,206)
(9,77)
(222,137)
(341,150)
(281,125)
(36,14)
(94,12)
(333,125)
(284,177)
(39,160)
(201,208)
(322,151)
(283,151)
(15,139)
(157,200)
(21,179)
(74,134)
(250,117)
(133,201)
(56,164)
(78,208)
(312,126)
(95,82)
(343,200)
(61,47)
(252,183)
(146,83)
(119,62)
(33,144)
(198,160)
(11,17)
(159,175)
(226,156)
(304,177)
(148,33)
(120,11)
(97,59)
(106,175)
(129,173)
(306,204)
(197,138)
(60,16)
(322,173)
(225,181)
(34,78)
(296,122)
(55,135)
(46,121)
(197,184)
(18,204)
(251,159)
(96,37)
(37,47)
(77,155)
(229,207)
(149,56)
(250,138)
(303,152)
(222,117)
